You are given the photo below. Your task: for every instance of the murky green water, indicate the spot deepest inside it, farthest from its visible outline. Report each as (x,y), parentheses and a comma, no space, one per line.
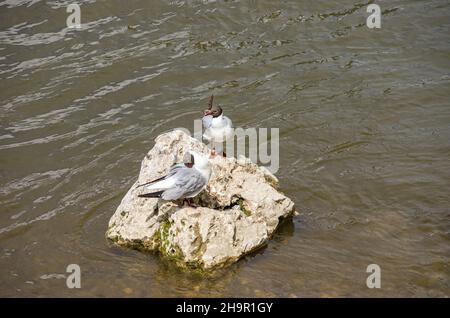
(364,139)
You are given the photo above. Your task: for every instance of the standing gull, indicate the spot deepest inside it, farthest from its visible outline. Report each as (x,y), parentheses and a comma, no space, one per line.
(217,127)
(184,180)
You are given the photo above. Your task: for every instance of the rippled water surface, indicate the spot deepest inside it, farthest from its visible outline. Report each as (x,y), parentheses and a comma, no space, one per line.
(364,139)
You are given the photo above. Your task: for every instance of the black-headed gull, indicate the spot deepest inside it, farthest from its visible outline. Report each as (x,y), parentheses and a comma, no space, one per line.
(217,127)
(184,180)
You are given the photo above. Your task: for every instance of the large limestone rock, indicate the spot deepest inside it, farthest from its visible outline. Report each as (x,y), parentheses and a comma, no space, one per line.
(238,211)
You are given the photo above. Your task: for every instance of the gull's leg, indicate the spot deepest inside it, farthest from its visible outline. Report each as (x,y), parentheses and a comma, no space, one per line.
(212,154)
(220,149)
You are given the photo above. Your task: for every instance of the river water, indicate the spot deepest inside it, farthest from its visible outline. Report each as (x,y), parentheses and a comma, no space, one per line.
(363,115)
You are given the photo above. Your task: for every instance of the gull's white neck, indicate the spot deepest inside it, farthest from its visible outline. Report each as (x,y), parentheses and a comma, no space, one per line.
(205,171)
(218,121)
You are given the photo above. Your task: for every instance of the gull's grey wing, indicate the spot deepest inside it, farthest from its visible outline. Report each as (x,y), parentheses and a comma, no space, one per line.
(175,168)
(207,121)
(189,181)
(171,172)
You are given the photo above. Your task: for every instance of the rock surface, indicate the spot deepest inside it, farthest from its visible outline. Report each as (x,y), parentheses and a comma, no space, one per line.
(238,211)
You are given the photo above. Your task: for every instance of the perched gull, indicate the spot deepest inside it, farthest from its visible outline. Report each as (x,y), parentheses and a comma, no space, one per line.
(184,180)
(217,127)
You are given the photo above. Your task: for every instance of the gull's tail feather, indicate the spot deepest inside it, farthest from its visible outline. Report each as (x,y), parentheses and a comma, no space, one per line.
(211,100)
(156,194)
(151,182)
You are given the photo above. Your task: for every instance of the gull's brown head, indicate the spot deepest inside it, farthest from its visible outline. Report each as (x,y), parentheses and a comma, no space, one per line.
(188,160)
(212,110)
